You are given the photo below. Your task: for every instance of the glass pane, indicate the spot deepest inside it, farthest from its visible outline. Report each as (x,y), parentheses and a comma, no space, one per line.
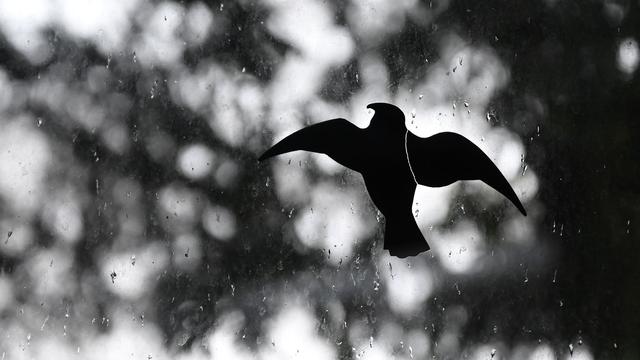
(137,221)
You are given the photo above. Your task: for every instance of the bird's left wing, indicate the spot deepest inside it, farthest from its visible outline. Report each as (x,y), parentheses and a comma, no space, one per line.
(447,157)
(338,138)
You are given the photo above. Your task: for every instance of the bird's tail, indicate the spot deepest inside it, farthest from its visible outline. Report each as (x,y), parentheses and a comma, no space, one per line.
(402,237)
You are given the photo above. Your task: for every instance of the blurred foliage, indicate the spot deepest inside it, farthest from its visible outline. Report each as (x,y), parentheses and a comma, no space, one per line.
(138,219)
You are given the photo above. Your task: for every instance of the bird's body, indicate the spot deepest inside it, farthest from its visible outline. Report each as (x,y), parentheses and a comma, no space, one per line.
(393,162)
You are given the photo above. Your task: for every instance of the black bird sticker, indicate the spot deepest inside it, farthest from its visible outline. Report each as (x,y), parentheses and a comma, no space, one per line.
(393,162)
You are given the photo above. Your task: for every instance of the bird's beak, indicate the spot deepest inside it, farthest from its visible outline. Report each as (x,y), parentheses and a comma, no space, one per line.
(372,106)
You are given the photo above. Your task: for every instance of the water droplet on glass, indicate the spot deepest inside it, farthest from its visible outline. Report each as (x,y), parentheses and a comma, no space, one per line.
(571,349)
(420,97)
(39,121)
(44,323)
(628,224)
(493,353)
(413,113)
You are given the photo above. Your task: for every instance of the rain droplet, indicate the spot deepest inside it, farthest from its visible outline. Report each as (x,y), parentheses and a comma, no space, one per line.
(413,113)
(44,323)
(420,97)
(628,224)
(493,353)
(571,349)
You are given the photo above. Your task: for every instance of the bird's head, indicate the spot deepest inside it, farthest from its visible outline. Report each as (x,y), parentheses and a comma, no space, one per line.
(387,116)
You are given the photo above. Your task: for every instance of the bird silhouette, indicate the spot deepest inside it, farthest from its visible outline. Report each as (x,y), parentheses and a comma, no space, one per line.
(393,162)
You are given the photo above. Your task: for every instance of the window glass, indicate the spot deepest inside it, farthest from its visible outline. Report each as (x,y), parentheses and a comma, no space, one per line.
(137,222)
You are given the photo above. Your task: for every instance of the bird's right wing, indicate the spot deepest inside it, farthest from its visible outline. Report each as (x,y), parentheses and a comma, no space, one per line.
(447,157)
(338,138)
